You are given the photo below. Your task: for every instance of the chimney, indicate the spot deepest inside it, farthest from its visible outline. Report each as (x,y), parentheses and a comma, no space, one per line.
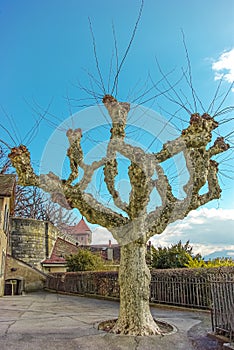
(109,243)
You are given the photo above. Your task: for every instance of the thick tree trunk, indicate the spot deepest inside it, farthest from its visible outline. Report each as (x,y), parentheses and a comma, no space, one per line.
(134,277)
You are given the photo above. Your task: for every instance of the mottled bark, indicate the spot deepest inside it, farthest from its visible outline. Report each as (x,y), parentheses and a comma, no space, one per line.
(136,225)
(134,278)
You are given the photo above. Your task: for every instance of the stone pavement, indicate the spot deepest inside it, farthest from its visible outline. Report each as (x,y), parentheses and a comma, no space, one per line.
(49,321)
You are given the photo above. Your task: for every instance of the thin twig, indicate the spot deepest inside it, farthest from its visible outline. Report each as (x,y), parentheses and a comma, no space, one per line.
(96,57)
(8,133)
(179,102)
(190,72)
(116,56)
(110,71)
(34,130)
(194,93)
(224,99)
(12,124)
(6,144)
(128,48)
(210,108)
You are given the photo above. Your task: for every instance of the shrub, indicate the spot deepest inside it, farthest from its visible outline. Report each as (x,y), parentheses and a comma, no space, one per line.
(84,260)
(176,256)
(217,262)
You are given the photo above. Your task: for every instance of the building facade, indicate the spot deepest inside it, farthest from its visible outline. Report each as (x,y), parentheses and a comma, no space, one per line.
(7,187)
(33,241)
(80,232)
(57,260)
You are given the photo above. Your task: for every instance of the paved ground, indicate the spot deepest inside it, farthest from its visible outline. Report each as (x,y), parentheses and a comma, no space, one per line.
(48,321)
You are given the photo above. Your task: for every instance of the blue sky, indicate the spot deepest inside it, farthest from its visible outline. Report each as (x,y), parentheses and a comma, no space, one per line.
(46,47)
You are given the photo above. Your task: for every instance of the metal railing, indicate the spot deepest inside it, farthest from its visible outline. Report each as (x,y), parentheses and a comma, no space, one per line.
(193,288)
(222,295)
(193,292)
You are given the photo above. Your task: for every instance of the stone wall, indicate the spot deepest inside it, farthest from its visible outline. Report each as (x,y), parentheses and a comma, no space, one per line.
(32,240)
(29,279)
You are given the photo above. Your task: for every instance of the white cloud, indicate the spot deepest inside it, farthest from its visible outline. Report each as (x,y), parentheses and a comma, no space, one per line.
(224,66)
(102,236)
(208,230)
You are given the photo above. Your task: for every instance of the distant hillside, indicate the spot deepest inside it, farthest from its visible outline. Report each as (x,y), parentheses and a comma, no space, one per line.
(220,254)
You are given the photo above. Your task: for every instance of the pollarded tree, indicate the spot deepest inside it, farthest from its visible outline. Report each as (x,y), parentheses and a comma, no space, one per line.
(133,224)
(134,221)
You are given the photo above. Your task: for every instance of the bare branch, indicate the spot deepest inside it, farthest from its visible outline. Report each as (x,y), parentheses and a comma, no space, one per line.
(128,48)
(224,99)
(192,143)
(117,58)
(190,73)
(96,57)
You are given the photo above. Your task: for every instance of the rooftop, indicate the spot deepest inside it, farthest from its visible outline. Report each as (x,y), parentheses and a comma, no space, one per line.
(80,228)
(60,250)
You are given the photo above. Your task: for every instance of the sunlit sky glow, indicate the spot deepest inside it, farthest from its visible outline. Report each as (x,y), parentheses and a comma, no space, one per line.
(47,51)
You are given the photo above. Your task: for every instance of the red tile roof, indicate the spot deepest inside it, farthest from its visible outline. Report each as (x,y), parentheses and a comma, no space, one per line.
(60,250)
(80,228)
